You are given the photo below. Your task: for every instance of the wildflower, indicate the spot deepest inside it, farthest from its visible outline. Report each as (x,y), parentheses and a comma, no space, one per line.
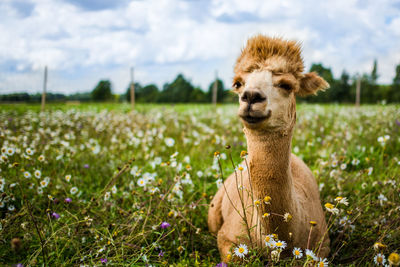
(343,166)
(29,151)
(297,253)
(322,262)
(241,251)
(313,223)
(68,177)
(355,162)
(10,151)
(221,264)
(267,200)
(73,190)
(38,174)
(243,154)
(199,174)
(378,245)
(161,254)
(154,190)
(394,259)
(381,197)
(310,254)
(114,189)
(86,166)
(342,200)
(164,225)
(217,154)
(27,175)
(103,260)
(180,249)
(266,215)
(275,254)
(280,244)
(107,196)
(219,183)
(287,217)
(41,158)
(332,209)
(55,215)
(11,207)
(169,141)
(257,203)
(68,200)
(141,182)
(44,182)
(370,169)
(379,259)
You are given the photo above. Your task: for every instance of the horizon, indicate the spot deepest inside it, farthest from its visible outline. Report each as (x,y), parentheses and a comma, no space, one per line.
(83,42)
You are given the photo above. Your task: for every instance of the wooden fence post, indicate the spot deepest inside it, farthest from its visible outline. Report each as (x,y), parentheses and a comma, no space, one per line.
(44,88)
(132,90)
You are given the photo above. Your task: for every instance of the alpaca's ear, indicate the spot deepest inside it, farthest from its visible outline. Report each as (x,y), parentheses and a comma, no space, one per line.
(311,83)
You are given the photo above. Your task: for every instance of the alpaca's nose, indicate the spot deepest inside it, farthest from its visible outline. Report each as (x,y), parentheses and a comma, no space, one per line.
(252,97)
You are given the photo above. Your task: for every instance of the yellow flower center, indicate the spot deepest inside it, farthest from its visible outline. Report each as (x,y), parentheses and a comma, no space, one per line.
(267,199)
(321,264)
(240,168)
(297,253)
(241,250)
(379,259)
(329,206)
(279,244)
(267,238)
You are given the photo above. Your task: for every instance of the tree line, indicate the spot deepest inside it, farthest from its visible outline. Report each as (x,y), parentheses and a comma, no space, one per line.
(181,90)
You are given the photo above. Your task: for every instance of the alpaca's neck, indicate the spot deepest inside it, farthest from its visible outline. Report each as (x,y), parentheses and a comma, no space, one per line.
(270,175)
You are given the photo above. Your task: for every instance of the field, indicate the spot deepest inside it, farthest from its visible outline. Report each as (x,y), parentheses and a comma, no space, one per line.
(97,184)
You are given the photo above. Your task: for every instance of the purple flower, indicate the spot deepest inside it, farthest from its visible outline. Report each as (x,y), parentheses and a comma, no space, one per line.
(164,225)
(161,254)
(103,260)
(55,215)
(68,200)
(19,265)
(221,264)
(86,166)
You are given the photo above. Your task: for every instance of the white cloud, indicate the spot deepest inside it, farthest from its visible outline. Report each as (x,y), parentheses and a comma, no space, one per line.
(82,43)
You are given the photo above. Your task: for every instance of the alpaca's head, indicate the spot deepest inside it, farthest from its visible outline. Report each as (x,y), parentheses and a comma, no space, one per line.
(268,76)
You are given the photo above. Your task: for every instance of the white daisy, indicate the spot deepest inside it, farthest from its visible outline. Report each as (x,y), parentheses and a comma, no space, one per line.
(322,262)
(38,174)
(281,245)
(380,259)
(297,253)
(310,254)
(10,151)
(342,200)
(332,209)
(241,251)
(27,175)
(141,182)
(29,151)
(68,177)
(107,196)
(73,190)
(169,141)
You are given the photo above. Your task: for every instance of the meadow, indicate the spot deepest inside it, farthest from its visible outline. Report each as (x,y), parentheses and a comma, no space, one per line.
(97,184)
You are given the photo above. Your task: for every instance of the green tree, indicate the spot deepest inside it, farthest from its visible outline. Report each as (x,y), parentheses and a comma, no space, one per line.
(102,92)
(394,93)
(344,88)
(330,95)
(179,91)
(148,94)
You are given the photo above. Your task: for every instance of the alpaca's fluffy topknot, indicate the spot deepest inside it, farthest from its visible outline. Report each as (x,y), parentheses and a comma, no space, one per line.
(262,51)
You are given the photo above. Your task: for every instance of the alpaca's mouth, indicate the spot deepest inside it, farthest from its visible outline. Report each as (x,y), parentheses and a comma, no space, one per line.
(255,119)
(250,119)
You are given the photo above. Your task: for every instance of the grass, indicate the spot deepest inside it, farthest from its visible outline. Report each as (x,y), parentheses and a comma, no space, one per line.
(87,206)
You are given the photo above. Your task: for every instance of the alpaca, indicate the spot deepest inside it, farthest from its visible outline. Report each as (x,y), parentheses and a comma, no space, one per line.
(251,204)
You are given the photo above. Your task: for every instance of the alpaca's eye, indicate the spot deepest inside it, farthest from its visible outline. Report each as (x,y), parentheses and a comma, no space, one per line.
(237,85)
(285,86)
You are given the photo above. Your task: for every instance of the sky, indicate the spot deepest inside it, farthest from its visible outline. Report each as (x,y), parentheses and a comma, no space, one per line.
(84,41)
